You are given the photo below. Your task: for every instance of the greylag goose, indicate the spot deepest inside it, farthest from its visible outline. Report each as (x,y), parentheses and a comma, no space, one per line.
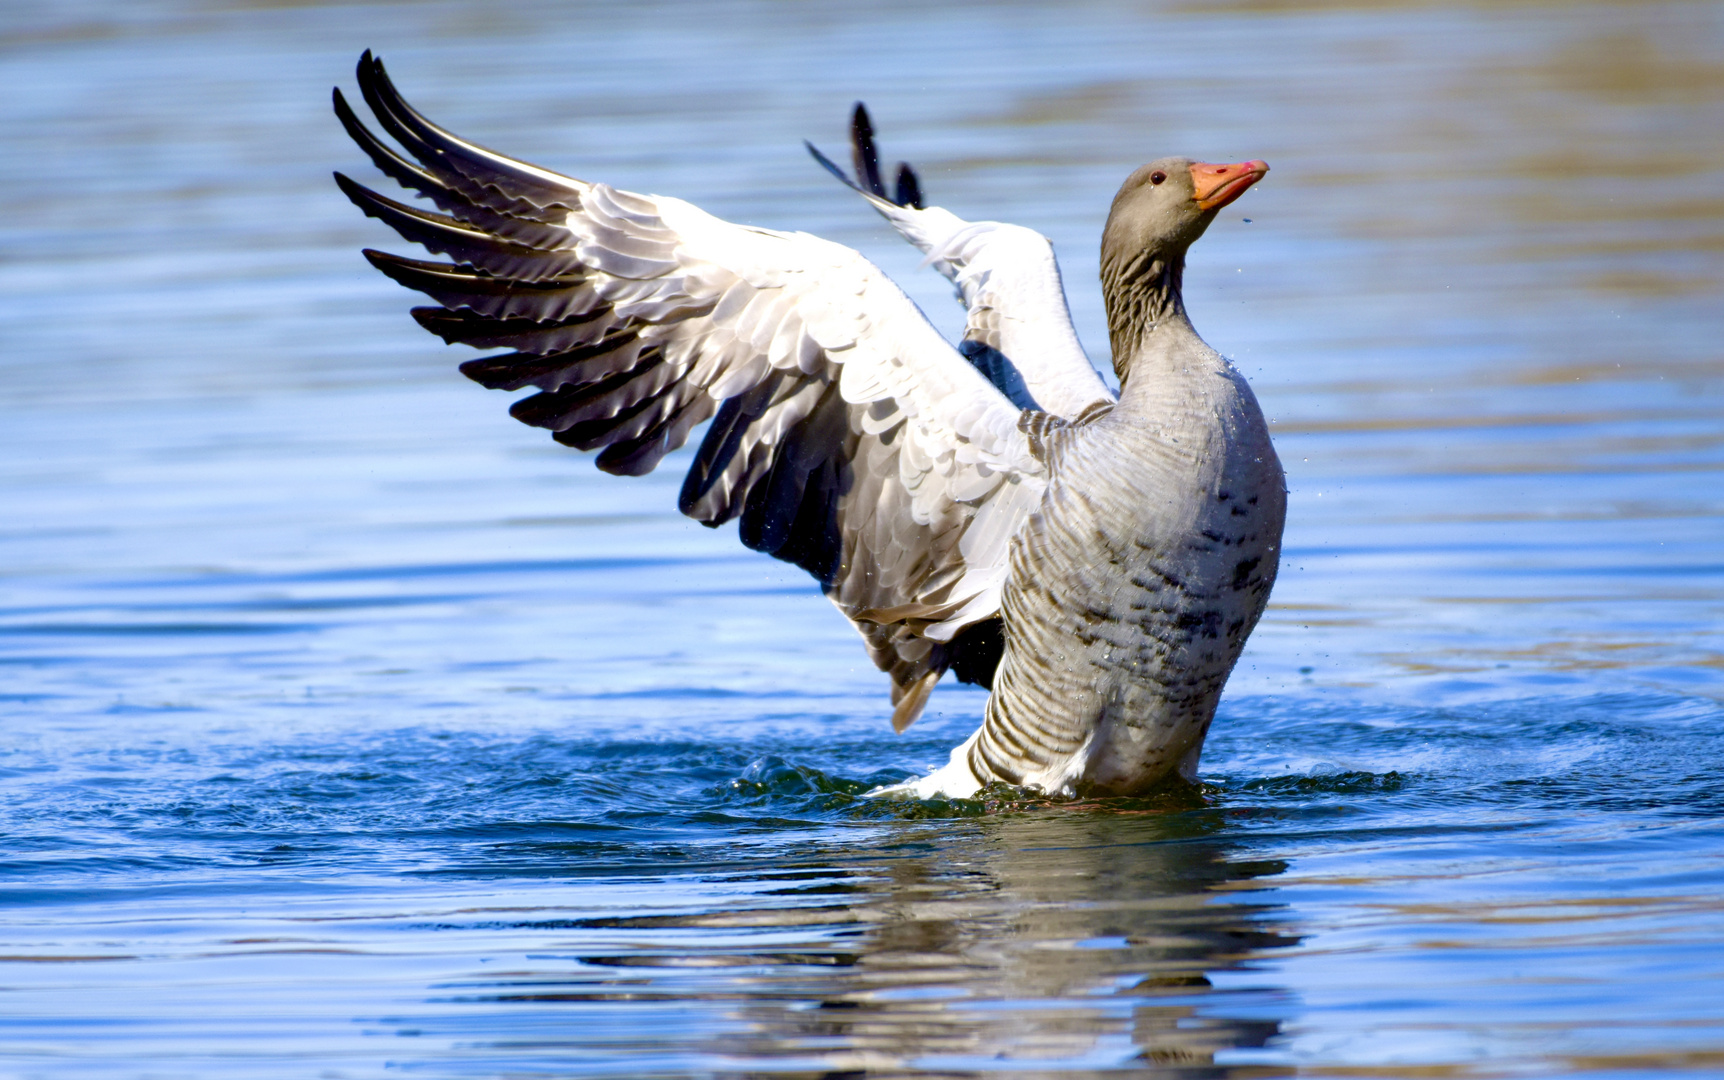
(993,510)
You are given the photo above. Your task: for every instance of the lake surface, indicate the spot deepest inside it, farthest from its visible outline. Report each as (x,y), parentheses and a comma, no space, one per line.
(349,728)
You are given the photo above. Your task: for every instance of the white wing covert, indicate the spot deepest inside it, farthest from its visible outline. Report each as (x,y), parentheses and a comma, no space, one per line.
(1018,329)
(847,436)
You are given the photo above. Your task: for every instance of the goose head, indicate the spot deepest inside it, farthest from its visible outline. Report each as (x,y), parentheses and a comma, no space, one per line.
(1165,206)
(1160,211)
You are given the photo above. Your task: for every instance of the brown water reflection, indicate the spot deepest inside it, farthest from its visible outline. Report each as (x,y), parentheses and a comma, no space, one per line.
(1053,941)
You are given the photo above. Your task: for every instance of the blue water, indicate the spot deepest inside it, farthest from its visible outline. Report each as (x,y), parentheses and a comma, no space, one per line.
(350,729)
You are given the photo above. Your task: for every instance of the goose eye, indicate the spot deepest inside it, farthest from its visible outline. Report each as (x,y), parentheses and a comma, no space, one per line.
(1157,176)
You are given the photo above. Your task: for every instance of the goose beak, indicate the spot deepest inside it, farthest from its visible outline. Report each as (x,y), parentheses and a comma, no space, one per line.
(1215,186)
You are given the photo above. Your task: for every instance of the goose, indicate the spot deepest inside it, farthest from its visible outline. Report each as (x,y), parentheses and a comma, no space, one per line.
(1095,560)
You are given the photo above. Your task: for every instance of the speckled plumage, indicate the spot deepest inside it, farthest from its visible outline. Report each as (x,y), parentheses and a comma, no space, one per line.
(1135,583)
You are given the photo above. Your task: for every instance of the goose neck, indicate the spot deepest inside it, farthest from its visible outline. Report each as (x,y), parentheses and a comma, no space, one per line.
(1145,309)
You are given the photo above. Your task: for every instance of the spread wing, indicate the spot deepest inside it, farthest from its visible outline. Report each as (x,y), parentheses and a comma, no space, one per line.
(1019,329)
(847,436)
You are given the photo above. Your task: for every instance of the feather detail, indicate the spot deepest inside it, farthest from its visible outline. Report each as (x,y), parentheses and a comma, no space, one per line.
(1019,332)
(846,436)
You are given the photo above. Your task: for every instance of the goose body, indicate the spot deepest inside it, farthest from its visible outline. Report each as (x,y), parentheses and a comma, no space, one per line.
(1133,585)
(993,510)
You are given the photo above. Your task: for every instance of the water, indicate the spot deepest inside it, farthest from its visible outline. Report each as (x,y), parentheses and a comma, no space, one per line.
(351,729)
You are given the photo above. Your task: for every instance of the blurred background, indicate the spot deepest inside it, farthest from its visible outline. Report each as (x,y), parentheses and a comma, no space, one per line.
(309,653)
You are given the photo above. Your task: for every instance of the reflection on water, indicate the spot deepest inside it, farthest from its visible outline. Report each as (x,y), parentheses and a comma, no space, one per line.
(510,907)
(1069,943)
(349,729)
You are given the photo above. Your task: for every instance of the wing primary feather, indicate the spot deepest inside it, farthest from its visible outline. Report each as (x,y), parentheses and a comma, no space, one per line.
(391,120)
(561,410)
(791,510)
(725,467)
(468,327)
(815,543)
(551,300)
(448,236)
(548,371)
(716,451)
(402,217)
(512,371)
(909,187)
(391,164)
(831,166)
(596,433)
(511,178)
(776,501)
(435,188)
(863,153)
(637,457)
(435,279)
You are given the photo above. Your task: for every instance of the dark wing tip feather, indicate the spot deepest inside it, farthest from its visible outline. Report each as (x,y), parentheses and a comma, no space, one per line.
(362,70)
(496,372)
(865,157)
(388,162)
(532,337)
(466,327)
(361,196)
(466,244)
(466,164)
(446,324)
(863,153)
(350,120)
(830,166)
(512,371)
(391,109)
(373,204)
(398,216)
(403,270)
(909,187)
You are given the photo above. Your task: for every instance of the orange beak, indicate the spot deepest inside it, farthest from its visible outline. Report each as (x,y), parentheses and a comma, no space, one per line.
(1217,185)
